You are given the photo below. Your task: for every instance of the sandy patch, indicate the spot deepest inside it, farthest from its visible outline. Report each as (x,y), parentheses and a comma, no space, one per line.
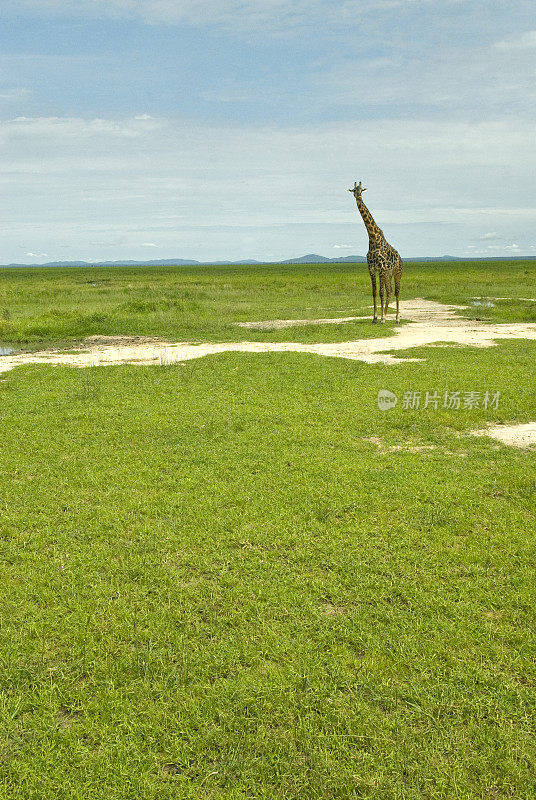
(523,435)
(410,447)
(132,340)
(332,611)
(430,323)
(407,447)
(414,310)
(277,324)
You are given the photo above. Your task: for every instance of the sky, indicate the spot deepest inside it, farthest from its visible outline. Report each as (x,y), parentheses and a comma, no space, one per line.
(232,129)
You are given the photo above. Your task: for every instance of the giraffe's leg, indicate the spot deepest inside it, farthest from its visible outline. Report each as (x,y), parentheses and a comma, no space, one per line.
(387,296)
(397,293)
(374,295)
(381,296)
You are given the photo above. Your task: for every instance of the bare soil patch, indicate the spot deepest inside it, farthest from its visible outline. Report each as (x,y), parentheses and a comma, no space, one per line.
(277,324)
(431,323)
(408,447)
(522,435)
(131,340)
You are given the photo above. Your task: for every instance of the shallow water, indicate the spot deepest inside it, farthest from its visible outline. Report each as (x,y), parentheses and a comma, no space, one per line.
(5,351)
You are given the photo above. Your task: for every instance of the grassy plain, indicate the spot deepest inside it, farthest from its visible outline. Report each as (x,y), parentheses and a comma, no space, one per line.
(198,304)
(213,586)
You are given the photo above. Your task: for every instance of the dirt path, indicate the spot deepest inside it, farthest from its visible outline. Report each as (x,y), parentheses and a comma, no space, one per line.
(415,310)
(522,435)
(430,323)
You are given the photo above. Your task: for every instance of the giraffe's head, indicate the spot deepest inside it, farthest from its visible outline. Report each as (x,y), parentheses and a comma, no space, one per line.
(357,190)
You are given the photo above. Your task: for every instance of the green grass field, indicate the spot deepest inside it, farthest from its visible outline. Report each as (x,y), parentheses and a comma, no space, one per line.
(42,306)
(215,587)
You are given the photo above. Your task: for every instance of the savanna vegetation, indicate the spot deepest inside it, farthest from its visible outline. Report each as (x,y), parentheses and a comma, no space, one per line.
(238,578)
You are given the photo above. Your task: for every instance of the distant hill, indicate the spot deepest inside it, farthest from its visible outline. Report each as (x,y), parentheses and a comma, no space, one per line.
(170,262)
(310,258)
(434,258)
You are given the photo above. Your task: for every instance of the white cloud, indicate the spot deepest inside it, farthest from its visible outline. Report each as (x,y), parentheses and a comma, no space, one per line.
(520,42)
(269,15)
(37,255)
(473,83)
(15,94)
(49,129)
(489,236)
(236,191)
(343,246)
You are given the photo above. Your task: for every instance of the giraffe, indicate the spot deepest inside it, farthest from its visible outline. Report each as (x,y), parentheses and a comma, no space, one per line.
(381,258)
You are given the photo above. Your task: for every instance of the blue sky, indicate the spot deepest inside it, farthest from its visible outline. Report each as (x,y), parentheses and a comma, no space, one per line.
(231,129)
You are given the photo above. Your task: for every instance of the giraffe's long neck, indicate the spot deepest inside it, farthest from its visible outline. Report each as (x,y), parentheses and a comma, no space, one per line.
(376,236)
